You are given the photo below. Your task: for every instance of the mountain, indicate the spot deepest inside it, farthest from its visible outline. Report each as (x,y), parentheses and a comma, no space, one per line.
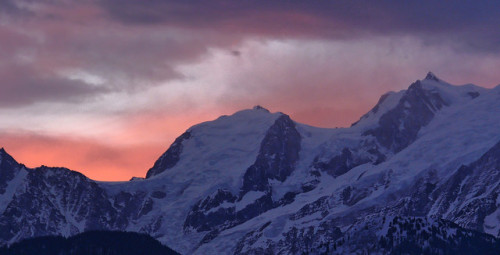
(421,169)
(93,242)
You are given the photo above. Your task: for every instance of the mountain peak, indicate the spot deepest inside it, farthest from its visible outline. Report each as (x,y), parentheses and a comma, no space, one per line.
(431,76)
(3,153)
(258,107)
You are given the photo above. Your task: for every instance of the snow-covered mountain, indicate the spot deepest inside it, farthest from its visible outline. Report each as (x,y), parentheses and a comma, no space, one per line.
(422,167)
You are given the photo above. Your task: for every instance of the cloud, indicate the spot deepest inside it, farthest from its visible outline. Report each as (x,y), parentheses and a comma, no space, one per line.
(129,146)
(325,83)
(10,7)
(133,45)
(125,73)
(36,52)
(64,35)
(21,85)
(474,23)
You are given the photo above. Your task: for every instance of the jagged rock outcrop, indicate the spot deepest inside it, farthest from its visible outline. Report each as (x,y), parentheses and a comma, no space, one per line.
(8,169)
(257,182)
(279,152)
(170,157)
(399,127)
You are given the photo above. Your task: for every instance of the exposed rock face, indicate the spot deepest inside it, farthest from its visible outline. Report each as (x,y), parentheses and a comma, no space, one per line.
(472,193)
(56,200)
(51,201)
(257,182)
(399,127)
(170,157)
(409,224)
(311,239)
(394,235)
(279,152)
(8,169)
(342,163)
(432,77)
(207,214)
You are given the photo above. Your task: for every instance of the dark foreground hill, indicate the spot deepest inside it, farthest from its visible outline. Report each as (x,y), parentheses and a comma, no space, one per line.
(92,242)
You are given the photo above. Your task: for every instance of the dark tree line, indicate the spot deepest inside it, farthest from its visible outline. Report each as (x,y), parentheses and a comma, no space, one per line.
(92,242)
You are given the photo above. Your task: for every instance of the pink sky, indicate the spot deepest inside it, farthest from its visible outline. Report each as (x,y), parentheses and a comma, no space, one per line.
(104,87)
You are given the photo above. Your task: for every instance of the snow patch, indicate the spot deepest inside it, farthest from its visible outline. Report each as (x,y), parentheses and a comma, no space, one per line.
(249,198)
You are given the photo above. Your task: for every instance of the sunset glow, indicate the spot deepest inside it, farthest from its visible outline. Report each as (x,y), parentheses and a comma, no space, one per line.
(105,88)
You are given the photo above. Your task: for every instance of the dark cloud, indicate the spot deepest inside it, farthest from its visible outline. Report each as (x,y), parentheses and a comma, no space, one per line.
(473,23)
(418,15)
(34,52)
(10,7)
(134,58)
(134,44)
(22,85)
(236,53)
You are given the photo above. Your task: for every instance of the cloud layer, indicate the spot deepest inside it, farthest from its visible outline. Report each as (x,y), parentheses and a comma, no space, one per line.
(116,81)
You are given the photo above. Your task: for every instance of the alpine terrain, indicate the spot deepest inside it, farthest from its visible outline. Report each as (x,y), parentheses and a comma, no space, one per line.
(419,173)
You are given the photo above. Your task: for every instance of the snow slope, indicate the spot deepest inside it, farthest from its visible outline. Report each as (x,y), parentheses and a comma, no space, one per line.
(258,182)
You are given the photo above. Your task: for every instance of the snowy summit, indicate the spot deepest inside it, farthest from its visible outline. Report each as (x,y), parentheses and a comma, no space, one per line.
(421,167)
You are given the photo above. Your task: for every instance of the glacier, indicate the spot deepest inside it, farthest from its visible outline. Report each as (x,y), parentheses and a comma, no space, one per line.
(257,182)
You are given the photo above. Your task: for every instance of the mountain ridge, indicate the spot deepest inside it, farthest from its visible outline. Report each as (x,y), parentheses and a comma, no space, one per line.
(255,181)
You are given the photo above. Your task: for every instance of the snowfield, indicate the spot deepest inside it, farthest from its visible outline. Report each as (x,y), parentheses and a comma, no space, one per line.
(257,182)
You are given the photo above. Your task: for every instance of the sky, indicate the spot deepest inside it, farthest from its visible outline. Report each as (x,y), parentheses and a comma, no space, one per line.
(105,86)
